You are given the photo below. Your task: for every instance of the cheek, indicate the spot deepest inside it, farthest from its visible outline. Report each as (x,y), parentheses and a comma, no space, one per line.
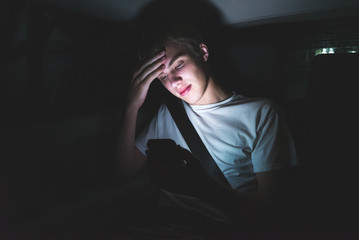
(200,75)
(167,85)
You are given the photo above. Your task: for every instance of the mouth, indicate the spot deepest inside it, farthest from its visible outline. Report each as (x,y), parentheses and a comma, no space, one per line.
(185,91)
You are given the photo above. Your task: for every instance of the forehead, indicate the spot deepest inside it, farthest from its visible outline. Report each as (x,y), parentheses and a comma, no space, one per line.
(173,49)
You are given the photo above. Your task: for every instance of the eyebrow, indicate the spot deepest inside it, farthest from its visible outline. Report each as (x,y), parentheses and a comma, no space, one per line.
(175,57)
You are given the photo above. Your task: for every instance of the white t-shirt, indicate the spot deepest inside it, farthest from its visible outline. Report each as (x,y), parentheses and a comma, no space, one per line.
(243,135)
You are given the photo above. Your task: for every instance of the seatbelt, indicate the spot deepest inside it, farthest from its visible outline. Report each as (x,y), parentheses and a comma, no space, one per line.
(193,140)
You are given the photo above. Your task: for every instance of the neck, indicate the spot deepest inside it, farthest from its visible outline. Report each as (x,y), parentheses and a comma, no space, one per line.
(213,93)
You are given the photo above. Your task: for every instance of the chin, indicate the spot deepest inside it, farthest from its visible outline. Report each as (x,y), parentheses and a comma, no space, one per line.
(191,101)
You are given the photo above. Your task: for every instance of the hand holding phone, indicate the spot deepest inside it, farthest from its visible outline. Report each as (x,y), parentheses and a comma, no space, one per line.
(164,151)
(174,168)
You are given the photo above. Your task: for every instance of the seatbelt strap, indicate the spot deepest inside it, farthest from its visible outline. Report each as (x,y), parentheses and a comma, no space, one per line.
(193,140)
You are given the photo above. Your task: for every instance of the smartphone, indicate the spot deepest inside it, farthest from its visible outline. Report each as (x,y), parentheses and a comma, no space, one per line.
(161,144)
(166,149)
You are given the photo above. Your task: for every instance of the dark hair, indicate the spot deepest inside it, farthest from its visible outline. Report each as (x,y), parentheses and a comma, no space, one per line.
(155,39)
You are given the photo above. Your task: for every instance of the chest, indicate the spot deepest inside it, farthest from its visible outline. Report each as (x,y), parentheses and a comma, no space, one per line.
(236,130)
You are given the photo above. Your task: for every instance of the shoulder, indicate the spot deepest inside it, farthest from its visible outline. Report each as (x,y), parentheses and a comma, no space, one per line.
(257,104)
(267,106)
(163,114)
(163,111)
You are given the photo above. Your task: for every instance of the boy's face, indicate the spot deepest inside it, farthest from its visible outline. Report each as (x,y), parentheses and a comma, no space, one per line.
(183,77)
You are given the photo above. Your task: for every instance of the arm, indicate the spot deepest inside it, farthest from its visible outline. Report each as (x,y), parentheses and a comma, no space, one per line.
(271,190)
(129,159)
(191,179)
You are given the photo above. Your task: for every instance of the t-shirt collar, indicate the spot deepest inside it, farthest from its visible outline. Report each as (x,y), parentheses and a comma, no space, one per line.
(212,106)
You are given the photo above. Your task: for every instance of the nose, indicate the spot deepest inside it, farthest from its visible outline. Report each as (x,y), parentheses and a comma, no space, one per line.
(175,80)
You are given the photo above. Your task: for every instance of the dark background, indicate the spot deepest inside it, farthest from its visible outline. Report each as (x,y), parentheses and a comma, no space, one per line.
(64,77)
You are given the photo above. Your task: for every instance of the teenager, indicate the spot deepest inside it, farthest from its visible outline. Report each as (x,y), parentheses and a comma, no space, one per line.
(247,137)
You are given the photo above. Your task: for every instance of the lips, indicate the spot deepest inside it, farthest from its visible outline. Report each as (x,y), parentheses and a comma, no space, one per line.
(185,91)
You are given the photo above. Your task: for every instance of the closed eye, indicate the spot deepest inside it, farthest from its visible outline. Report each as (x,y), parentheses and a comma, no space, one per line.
(179,65)
(163,78)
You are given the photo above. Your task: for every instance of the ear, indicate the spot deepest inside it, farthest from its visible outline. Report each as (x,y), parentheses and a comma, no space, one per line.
(204,51)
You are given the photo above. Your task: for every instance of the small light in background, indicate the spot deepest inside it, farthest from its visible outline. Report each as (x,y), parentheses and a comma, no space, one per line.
(324,51)
(340,50)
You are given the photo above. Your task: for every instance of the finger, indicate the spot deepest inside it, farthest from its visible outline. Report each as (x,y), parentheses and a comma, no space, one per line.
(150,69)
(148,79)
(149,62)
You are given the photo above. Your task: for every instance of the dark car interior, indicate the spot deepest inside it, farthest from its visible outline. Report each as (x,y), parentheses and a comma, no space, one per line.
(65,71)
